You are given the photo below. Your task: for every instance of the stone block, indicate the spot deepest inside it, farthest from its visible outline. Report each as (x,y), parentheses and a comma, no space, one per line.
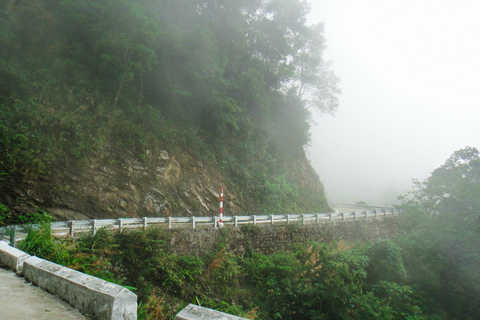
(11,257)
(93,296)
(193,312)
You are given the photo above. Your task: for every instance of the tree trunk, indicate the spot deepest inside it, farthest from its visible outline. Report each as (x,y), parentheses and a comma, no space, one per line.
(122,81)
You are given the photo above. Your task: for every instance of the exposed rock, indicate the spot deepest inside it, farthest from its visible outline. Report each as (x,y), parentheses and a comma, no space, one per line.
(67,214)
(110,188)
(164,155)
(116,184)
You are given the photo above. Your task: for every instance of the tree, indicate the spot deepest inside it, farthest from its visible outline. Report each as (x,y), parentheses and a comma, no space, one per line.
(441,246)
(119,35)
(453,188)
(386,263)
(78,75)
(292,51)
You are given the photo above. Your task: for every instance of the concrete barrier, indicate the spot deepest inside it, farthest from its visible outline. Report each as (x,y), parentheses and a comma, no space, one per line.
(91,295)
(193,312)
(11,257)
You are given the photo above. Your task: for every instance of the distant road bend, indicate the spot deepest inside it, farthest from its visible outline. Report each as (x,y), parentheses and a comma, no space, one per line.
(350,207)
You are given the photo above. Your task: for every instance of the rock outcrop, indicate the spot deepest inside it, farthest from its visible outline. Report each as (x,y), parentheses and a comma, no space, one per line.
(109,186)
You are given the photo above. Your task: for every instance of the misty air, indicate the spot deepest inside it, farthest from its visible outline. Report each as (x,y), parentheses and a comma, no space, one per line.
(249,159)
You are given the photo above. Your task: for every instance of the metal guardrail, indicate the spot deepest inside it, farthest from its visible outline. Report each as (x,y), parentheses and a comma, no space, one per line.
(359,206)
(18,232)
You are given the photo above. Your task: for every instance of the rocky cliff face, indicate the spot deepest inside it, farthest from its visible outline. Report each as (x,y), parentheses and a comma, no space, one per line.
(111,186)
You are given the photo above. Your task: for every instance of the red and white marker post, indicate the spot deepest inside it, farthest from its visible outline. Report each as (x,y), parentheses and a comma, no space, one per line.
(220,204)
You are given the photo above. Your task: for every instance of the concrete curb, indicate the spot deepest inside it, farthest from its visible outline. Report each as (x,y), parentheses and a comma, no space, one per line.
(89,294)
(193,312)
(11,257)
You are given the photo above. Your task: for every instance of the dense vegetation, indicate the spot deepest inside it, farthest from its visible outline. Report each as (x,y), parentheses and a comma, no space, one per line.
(232,82)
(313,282)
(430,272)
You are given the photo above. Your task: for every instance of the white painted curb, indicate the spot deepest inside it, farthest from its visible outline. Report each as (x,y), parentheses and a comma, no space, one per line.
(11,257)
(91,295)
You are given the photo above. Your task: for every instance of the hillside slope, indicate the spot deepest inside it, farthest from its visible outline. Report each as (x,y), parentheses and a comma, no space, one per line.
(161,185)
(133,108)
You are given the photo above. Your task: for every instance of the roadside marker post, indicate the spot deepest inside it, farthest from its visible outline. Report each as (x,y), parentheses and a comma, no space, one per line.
(220,204)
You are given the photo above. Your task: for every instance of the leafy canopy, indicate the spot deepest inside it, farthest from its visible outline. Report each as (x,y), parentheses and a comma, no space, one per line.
(231,81)
(453,188)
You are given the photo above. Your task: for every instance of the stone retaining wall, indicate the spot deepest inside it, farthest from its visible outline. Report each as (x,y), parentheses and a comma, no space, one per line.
(271,238)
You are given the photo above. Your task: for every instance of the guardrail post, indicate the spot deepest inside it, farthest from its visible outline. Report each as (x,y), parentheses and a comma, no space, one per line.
(235,219)
(215,222)
(94,226)
(355,215)
(343,215)
(15,229)
(384,212)
(12,232)
(254,219)
(288,218)
(120,224)
(303,218)
(330,216)
(271,218)
(193,222)
(366,216)
(71,230)
(318,218)
(169,222)
(376,213)
(144,223)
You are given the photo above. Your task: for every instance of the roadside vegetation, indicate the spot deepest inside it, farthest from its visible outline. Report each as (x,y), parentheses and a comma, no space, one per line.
(429,272)
(302,282)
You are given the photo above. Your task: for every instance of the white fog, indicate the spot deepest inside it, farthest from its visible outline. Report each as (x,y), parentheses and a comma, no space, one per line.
(409,75)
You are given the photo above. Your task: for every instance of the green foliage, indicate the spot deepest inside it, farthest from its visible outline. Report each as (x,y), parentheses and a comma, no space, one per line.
(4,214)
(430,272)
(320,283)
(440,247)
(41,243)
(453,188)
(307,282)
(441,257)
(386,263)
(280,195)
(230,82)
(101,240)
(402,299)
(39,217)
(7,217)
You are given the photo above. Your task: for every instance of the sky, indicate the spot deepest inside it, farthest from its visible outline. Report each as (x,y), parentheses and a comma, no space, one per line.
(409,74)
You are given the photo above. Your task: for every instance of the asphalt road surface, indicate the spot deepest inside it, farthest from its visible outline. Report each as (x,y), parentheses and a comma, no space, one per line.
(22,300)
